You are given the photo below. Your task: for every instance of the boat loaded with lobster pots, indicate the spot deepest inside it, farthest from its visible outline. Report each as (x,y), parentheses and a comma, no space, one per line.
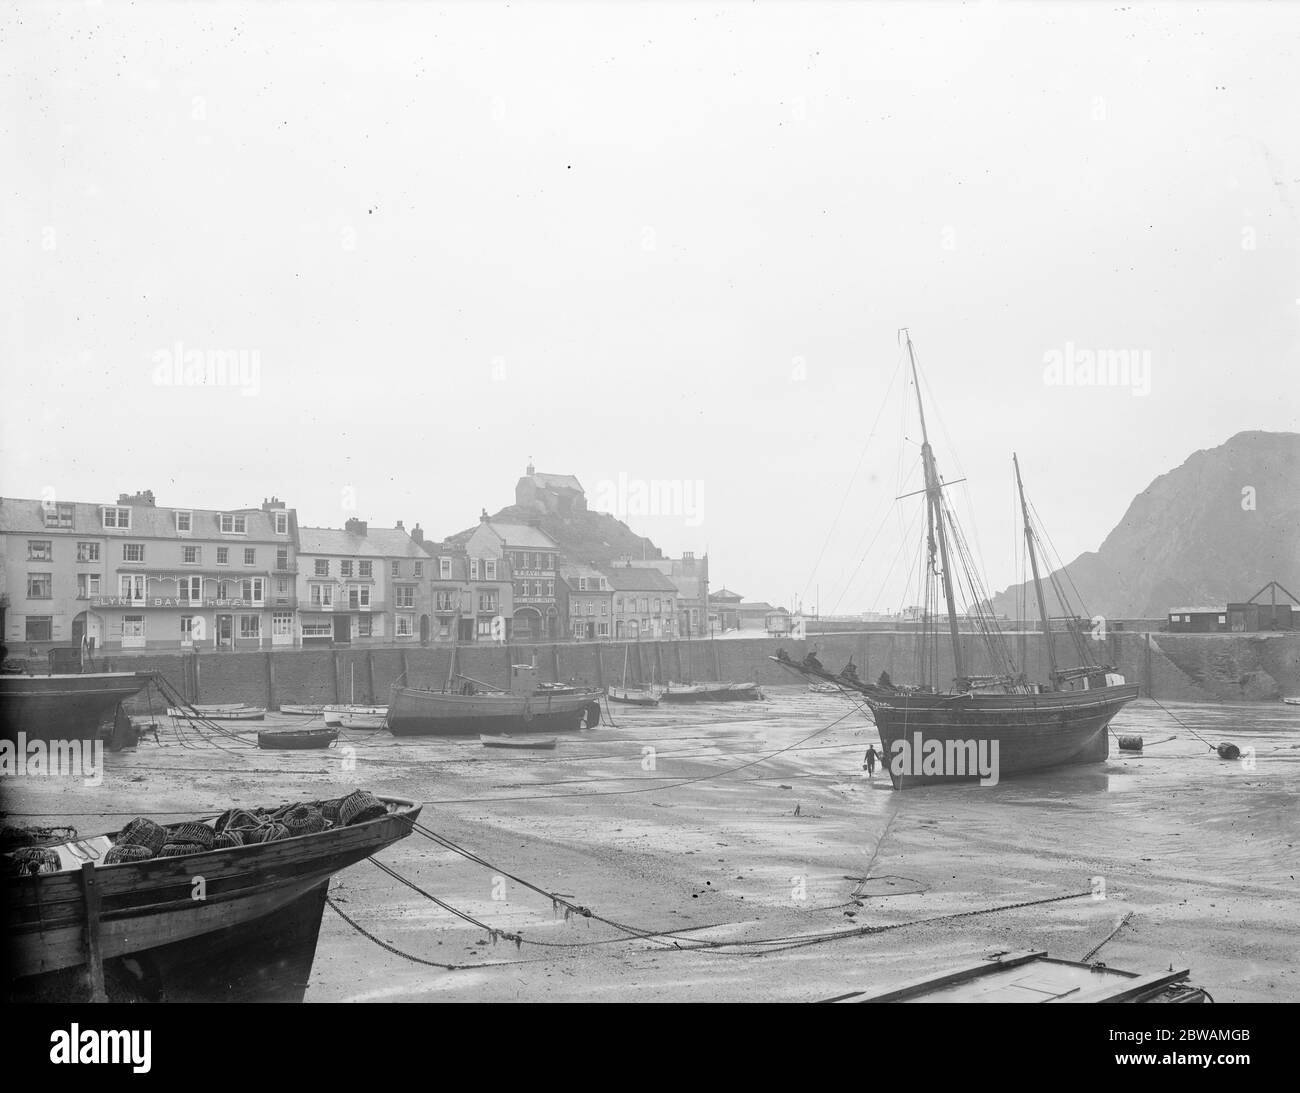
(1001,721)
(116,917)
(470,706)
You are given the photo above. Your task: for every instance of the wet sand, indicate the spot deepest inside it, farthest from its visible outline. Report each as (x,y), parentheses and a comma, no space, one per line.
(1203,852)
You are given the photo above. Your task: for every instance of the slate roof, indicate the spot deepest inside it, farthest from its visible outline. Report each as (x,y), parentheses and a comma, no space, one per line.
(638,579)
(24,516)
(376,543)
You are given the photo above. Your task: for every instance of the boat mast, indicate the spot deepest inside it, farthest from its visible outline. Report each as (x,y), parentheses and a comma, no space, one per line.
(934,499)
(1033,564)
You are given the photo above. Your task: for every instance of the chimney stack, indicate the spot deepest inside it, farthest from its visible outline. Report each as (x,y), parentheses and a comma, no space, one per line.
(355,527)
(417,535)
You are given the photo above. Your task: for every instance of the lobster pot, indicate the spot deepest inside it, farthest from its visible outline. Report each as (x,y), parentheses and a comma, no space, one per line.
(1130,743)
(1228,751)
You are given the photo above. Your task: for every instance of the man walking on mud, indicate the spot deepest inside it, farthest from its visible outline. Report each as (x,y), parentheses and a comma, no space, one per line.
(869,761)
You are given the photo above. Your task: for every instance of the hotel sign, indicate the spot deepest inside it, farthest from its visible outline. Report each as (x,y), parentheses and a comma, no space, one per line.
(167,601)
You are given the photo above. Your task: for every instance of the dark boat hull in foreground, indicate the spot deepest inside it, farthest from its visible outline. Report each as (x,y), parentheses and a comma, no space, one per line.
(63,707)
(251,938)
(932,738)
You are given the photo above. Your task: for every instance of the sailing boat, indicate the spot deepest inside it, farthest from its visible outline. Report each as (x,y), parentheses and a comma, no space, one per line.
(352,716)
(634,696)
(985,726)
(708,691)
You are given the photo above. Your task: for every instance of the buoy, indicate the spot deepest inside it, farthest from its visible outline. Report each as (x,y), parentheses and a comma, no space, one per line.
(1130,743)
(1228,751)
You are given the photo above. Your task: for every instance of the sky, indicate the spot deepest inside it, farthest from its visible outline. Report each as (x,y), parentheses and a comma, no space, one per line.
(373,258)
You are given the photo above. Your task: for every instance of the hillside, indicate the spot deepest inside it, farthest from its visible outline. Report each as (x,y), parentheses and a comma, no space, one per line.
(590,537)
(1187,539)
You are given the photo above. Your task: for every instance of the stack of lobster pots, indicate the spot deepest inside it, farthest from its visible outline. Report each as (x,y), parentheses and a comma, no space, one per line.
(142,838)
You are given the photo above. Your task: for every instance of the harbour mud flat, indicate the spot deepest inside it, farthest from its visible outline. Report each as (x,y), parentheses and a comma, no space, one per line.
(753,828)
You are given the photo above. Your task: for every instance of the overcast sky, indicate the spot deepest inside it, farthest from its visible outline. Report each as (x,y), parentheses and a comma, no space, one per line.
(672,242)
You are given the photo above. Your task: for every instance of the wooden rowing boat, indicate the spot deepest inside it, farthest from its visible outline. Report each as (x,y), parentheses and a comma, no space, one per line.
(229,713)
(632,696)
(136,932)
(711,692)
(296,739)
(354,720)
(300,710)
(539,742)
(333,715)
(1036,977)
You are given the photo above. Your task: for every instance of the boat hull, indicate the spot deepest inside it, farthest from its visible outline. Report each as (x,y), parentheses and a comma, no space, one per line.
(251,713)
(63,707)
(252,938)
(1031,732)
(297,739)
(633,698)
(434,713)
(334,715)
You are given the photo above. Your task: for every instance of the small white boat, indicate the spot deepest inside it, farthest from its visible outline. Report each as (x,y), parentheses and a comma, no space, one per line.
(354,720)
(1293,700)
(541,742)
(208,713)
(303,711)
(823,688)
(334,715)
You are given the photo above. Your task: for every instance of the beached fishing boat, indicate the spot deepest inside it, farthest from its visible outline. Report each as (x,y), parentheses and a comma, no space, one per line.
(1292,700)
(353,719)
(711,692)
(296,739)
(237,713)
(824,689)
(133,930)
(334,715)
(981,726)
(534,742)
(475,707)
(63,706)
(1037,977)
(632,696)
(300,710)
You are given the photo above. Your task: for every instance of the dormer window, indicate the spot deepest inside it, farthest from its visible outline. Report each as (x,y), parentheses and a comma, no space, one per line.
(232,524)
(281,523)
(57,515)
(444,569)
(185,522)
(115,517)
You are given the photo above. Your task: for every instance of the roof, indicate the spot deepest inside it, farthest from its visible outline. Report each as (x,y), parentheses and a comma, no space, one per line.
(725,594)
(376,543)
(23,515)
(638,579)
(1196,610)
(577,569)
(755,608)
(556,481)
(523,535)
